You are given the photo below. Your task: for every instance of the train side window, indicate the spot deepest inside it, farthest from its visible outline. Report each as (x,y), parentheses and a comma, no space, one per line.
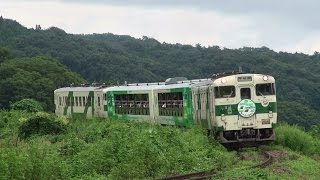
(60,101)
(99,101)
(245,93)
(170,104)
(135,104)
(72,101)
(225,91)
(76,100)
(265,89)
(80,101)
(89,101)
(84,100)
(106,101)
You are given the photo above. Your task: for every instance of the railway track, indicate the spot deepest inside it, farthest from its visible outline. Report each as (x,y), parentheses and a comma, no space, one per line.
(268,160)
(211,173)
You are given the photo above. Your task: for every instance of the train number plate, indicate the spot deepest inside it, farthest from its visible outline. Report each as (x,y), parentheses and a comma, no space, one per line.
(265,121)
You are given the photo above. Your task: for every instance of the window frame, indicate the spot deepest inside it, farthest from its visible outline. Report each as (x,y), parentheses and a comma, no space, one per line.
(233,95)
(272,86)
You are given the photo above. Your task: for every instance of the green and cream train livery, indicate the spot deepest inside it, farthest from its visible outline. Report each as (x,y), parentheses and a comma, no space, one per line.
(236,107)
(245,106)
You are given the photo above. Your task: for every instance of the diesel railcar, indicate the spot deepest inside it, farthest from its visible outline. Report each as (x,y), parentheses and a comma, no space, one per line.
(234,107)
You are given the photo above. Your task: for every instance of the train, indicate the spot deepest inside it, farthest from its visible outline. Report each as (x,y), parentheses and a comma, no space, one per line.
(234,107)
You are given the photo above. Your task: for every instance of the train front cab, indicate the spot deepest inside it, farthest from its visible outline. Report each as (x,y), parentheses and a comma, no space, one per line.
(245,107)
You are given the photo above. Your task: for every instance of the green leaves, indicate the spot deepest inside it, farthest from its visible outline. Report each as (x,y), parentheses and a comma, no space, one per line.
(41,124)
(27,105)
(35,78)
(296,139)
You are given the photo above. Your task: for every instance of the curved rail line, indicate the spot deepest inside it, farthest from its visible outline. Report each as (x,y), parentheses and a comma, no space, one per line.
(210,173)
(195,175)
(269,159)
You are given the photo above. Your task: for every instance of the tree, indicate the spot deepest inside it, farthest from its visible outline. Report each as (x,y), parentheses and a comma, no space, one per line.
(5,54)
(27,105)
(34,78)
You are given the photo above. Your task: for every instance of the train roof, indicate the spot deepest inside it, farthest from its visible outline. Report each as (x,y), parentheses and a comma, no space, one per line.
(140,86)
(76,89)
(131,88)
(157,86)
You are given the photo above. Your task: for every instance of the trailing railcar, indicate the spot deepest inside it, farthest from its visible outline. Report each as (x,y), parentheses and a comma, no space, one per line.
(236,107)
(75,101)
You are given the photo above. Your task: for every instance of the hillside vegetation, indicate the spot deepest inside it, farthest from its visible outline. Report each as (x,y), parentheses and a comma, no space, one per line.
(32,77)
(112,58)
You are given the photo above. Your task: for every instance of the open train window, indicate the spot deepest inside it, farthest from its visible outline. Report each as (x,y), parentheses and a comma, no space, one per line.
(170,104)
(225,91)
(265,89)
(135,104)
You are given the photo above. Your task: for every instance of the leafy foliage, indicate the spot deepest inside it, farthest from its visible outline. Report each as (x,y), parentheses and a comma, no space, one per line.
(37,160)
(5,53)
(41,124)
(35,78)
(296,139)
(27,105)
(108,149)
(114,150)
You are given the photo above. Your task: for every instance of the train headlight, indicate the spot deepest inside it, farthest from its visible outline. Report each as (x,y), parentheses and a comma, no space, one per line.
(265,78)
(223,80)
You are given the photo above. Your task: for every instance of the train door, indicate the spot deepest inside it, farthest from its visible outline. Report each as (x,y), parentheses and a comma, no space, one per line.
(246,108)
(204,106)
(99,104)
(211,119)
(58,103)
(196,105)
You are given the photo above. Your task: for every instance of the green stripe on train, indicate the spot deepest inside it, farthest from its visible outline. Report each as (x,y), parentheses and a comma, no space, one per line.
(232,109)
(187,118)
(70,98)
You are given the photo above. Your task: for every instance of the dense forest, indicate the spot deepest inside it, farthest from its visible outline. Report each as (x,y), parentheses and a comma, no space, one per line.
(37,54)
(32,77)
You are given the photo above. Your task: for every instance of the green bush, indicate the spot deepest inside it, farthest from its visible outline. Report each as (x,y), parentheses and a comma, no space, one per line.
(296,139)
(140,150)
(36,160)
(71,146)
(27,105)
(9,124)
(41,124)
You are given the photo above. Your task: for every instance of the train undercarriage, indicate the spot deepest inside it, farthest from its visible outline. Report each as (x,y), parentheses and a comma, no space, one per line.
(247,137)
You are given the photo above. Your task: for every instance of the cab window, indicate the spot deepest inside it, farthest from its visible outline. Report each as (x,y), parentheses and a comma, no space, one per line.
(245,93)
(225,91)
(265,89)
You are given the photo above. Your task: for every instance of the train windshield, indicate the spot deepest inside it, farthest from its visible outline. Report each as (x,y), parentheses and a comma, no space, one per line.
(225,91)
(245,93)
(265,89)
